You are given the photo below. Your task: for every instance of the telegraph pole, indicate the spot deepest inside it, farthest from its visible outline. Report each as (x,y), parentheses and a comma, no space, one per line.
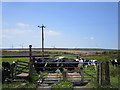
(42,39)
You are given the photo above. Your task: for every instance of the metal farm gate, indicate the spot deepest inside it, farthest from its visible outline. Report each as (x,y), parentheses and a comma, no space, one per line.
(78,75)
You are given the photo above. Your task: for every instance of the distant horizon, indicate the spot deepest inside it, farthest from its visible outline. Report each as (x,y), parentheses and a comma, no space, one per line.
(61,48)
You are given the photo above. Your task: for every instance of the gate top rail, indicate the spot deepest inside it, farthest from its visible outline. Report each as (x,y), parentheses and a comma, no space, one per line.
(64,62)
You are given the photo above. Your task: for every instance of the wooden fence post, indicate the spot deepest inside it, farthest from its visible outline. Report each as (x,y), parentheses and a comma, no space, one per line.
(107,74)
(104,77)
(30,52)
(30,61)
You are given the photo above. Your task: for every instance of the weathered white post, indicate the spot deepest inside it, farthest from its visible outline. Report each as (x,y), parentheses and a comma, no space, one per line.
(64,73)
(80,65)
(82,74)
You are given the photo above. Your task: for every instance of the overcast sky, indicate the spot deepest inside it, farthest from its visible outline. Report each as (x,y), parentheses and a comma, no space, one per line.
(68,24)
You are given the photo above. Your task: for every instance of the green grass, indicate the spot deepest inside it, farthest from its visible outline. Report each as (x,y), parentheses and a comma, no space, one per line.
(114,76)
(96,86)
(10,60)
(19,86)
(61,85)
(30,85)
(114,82)
(70,56)
(10,85)
(101,57)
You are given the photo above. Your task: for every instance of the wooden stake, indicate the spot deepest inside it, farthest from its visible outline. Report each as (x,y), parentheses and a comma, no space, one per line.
(30,62)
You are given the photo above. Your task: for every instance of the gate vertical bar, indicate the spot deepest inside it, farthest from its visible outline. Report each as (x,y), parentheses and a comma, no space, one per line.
(103,72)
(81,74)
(64,73)
(98,73)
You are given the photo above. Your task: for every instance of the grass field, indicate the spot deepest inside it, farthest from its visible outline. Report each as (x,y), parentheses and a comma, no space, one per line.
(86,54)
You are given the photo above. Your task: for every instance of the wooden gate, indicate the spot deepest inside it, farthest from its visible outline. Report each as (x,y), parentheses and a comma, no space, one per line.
(21,70)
